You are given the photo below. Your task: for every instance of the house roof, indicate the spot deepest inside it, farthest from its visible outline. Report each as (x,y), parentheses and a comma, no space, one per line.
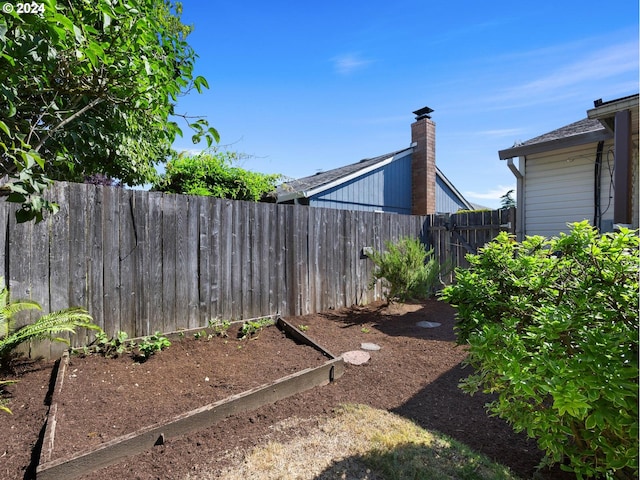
(312,185)
(308,186)
(583,131)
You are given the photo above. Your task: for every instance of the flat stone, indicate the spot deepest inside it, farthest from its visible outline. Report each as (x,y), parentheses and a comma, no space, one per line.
(424,324)
(356,357)
(370,346)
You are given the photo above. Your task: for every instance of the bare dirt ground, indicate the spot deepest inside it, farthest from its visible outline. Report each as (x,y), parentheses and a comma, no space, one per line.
(415,374)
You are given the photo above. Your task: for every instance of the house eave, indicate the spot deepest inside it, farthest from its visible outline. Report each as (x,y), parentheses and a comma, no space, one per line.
(556,144)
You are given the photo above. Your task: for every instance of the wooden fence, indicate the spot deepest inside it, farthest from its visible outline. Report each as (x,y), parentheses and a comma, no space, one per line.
(142,261)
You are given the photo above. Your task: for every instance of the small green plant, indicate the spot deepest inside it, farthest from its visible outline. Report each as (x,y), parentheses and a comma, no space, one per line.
(219,328)
(120,344)
(251,328)
(303,328)
(407,270)
(112,347)
(200,334)
(152,344)
(365,330)
(552,329)
(44,328)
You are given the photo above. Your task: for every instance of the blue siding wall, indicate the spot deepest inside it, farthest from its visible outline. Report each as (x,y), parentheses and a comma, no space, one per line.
(446,200)
(386,189)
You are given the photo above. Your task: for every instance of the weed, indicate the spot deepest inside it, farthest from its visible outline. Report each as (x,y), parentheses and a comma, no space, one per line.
(365,330)
(200,334)
(303,328)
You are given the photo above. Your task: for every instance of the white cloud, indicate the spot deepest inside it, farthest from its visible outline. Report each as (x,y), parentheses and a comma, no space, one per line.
(502,133)
(490,197)
(602,64)
(349,63)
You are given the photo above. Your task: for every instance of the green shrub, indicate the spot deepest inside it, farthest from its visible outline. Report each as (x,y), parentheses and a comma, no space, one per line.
(552,327)
(407,270)
(215,174)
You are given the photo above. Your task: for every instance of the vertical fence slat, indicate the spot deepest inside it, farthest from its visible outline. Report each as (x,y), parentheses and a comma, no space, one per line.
(155,260)
(191,260)
(111,258)
(169,230)
(66,256)
(144,312)
(95,226)
(182,276)
(263,279)
(226,260)
(128,251)
(208,294)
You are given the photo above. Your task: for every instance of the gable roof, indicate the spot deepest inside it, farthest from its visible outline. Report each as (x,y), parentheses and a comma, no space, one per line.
(312,185)
(577,133)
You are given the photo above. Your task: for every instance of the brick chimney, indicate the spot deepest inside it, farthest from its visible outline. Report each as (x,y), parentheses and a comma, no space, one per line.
(423,163)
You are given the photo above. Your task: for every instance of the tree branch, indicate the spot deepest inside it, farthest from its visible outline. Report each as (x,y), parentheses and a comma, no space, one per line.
(87,107)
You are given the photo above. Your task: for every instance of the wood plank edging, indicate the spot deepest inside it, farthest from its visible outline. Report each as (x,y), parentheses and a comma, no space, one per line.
(143,439)
(52,419)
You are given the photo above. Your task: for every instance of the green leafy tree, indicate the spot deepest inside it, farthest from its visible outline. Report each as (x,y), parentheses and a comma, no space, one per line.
(215,174)
(90,87)
(552,327)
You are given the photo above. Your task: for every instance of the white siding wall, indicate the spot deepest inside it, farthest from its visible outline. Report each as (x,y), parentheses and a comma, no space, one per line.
(559,189)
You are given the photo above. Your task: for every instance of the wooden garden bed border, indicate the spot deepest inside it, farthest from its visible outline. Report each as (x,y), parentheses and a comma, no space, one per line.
(143,439)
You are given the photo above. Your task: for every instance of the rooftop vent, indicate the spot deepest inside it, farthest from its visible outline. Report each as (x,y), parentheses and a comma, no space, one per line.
(423,113)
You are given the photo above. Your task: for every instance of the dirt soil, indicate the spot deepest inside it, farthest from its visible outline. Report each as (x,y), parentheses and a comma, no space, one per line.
(414,374)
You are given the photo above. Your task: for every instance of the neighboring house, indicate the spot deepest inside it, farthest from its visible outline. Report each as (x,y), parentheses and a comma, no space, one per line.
(587,170)
(405,181)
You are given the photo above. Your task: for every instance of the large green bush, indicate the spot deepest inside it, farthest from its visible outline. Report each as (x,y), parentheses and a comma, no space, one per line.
(407,270)
(215,174)
(552,327)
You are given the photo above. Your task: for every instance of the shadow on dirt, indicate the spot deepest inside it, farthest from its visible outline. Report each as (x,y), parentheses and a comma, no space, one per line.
(400,320)
(442,406)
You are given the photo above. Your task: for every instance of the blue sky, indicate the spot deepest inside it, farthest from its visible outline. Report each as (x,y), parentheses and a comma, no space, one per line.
(309,86)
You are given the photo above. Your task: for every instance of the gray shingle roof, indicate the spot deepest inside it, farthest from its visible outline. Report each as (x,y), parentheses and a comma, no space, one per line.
(585,125)
(316,181)
(577,133)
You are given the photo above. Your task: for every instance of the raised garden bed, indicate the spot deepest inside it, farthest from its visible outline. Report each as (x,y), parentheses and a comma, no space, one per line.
(184,395)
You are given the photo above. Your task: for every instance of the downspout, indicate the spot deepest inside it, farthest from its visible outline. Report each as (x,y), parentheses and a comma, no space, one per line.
(519,199)
(597,213)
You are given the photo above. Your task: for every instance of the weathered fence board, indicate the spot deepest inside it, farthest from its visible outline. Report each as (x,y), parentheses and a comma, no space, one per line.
(146,261)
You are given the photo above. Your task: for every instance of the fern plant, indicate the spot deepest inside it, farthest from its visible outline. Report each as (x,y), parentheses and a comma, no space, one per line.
(45,328)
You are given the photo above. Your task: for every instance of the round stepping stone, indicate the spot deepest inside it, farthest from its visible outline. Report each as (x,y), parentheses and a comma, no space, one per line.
(370,346)
(356,357)
(424,324)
